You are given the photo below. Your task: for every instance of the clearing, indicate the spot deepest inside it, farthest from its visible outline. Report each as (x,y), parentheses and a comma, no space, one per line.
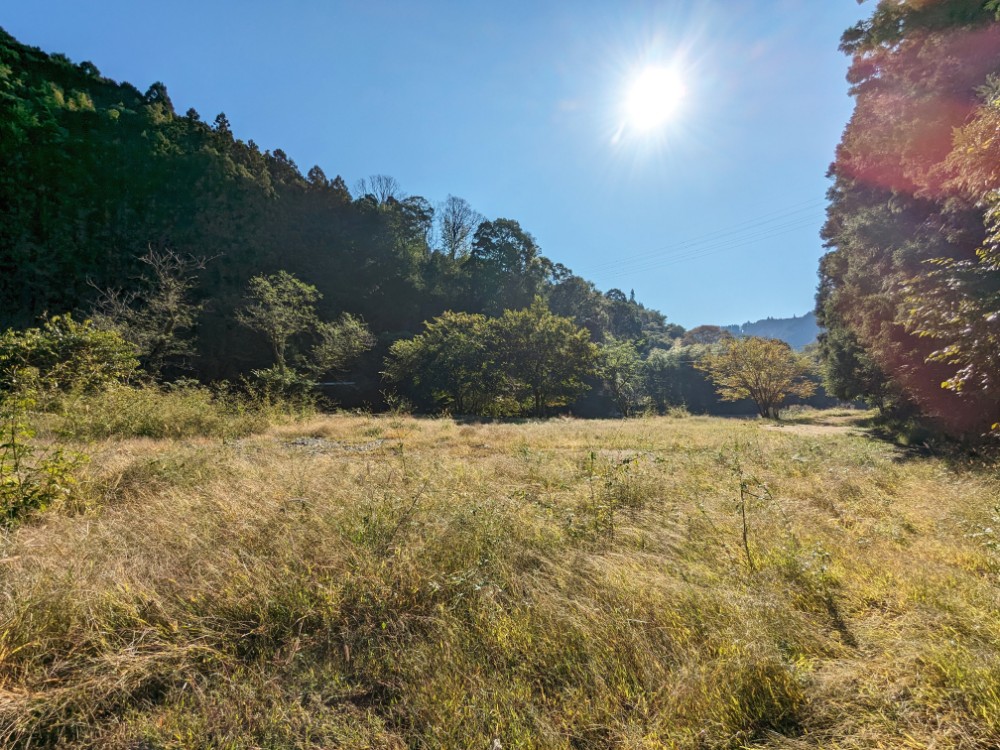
(385,581)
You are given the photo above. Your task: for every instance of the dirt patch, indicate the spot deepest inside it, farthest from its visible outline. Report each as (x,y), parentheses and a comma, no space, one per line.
(323,445)
(816,430)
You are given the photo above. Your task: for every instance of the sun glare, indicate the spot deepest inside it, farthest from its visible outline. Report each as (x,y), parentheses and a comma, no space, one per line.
(654,98)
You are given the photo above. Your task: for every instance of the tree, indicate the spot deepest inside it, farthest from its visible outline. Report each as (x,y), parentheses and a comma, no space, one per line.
(450,365)
(509,267)
(339,343)
(850,374)
(156,317)
(280,307)
(575,297)
(283,309)
(622,372)
(707,334)
(904,293)
(546,358)
(958,305)
(767,371)
(671,378)
(91,168)
(457,222)
(624,319)
(381,187)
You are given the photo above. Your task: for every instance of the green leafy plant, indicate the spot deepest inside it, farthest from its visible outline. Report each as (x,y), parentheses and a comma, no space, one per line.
(282,308)
(67,355)
(31,479)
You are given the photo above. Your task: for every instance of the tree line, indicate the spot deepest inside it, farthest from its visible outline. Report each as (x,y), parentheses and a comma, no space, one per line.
(101,184)
(213,259)
(909,291)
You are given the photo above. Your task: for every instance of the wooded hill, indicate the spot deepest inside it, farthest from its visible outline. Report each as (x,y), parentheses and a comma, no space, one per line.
(94,173)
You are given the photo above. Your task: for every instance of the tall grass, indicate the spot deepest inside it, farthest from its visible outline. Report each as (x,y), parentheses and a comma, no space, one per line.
(358,582)
(175,411)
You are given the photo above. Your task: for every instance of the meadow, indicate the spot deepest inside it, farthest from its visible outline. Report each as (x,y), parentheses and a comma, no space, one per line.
(387,581)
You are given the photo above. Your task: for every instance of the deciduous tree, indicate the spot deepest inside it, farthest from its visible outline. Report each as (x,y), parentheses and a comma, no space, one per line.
(457,223)
(158,316)
(282,308)
(449,365)
(546,358)
(767,371)
(622,372)
(903,296)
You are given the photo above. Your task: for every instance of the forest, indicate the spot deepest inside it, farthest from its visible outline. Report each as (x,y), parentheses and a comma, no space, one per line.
(98,177)
(158,225)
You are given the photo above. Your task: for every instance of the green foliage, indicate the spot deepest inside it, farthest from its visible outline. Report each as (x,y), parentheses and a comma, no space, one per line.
(849,372)
(767,371)
(906,293)
(546,358)
(672,380)
(449,366)
(280,307)
(275,384)
(283,309)
(525,361)
(67,355)
(958,305)
(622,373)
(509,267)
(31,478)
(92,173)
(339,344)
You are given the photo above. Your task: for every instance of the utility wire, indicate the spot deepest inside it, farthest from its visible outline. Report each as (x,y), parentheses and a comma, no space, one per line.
(713,248)
(761,221)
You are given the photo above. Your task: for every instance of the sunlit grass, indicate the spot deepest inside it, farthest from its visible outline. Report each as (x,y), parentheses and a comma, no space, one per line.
(386,581)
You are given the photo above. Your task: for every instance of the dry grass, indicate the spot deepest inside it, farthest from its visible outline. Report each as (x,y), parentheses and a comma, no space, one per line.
(356,581)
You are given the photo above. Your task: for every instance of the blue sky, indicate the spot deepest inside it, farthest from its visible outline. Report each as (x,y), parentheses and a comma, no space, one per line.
(517,107)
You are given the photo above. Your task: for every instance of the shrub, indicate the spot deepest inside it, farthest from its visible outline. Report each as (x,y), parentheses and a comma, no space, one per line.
(276,384)
(68,355)
(30,479)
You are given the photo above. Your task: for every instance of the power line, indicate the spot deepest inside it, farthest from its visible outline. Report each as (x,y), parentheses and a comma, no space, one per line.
(712,249)
(759,222)
(738,229)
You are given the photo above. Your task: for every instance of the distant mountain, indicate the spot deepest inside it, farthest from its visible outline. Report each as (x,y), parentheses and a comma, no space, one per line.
(798,332)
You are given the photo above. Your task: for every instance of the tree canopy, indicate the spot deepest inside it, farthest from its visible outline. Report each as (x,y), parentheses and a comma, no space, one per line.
(909,288)
(527,361)
(766,371)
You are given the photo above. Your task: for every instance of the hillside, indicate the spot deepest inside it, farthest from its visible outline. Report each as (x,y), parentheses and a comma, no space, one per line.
(359,582)
(94,173)
(797,331)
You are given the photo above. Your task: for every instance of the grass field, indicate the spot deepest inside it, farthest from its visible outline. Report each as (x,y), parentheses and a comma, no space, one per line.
(391,582)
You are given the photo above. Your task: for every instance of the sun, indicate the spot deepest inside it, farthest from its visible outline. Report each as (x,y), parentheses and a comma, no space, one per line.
(654,97)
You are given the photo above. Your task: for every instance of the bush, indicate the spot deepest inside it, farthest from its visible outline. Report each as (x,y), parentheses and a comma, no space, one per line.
(67,355)
(275,385)
(30,479)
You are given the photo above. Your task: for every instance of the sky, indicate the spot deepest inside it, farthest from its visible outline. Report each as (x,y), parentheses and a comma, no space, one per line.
(521,108)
